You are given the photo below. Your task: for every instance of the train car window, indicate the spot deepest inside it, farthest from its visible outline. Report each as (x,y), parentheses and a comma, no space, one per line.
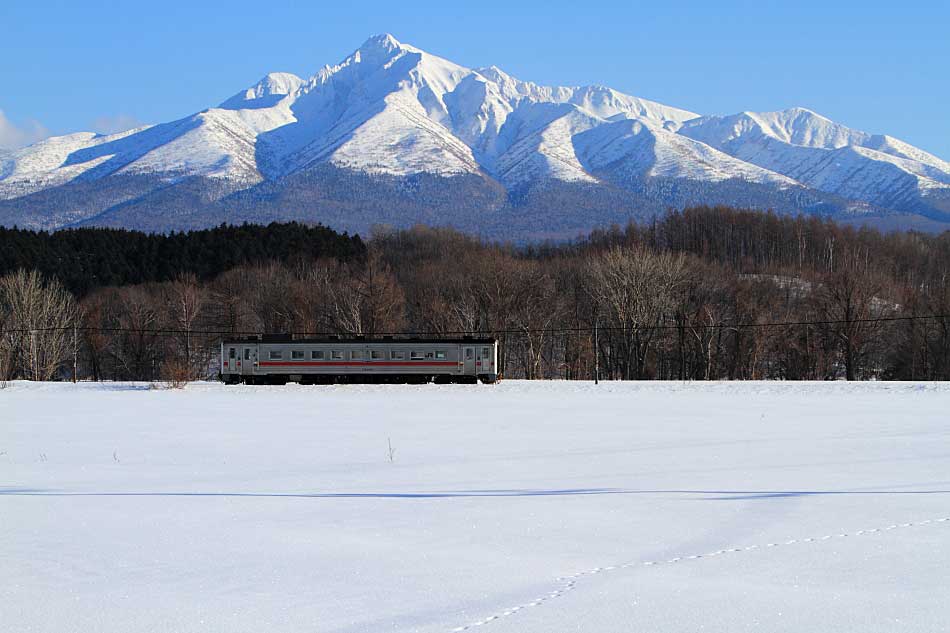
(336,355)
(297,354)
(247,353)
(429,355)
(231,353)
(486,353)
(316,354)
(356,354)
(276,354)
(376,354)
(469,354)
(416,356)
(439,354)
(397,354)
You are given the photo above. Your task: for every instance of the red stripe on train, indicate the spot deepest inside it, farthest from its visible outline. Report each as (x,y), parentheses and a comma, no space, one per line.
(365,363)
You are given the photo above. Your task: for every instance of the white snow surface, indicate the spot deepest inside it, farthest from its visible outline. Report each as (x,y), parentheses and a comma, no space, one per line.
(392,108)
(526,507)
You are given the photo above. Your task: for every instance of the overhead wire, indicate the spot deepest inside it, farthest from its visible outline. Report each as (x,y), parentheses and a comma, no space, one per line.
(480,332)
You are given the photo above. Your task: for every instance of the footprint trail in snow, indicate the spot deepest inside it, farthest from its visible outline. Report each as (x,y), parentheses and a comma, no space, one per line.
(569,583)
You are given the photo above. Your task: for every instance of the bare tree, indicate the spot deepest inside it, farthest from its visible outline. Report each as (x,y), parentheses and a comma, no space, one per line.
(368,300)
(935,334)
(313,309)
(440,296)
(185,302)
(228,299)
(537,308)
(96,340)
(493,282)
(849,300)
(137,317)
(40,316)
(634,288)
(270,296)
(5,352)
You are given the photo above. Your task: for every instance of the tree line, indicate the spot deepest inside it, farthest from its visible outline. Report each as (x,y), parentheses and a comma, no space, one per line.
(706,293)
(87,258)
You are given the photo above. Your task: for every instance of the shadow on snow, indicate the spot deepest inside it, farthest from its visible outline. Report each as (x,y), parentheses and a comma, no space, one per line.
(707,495)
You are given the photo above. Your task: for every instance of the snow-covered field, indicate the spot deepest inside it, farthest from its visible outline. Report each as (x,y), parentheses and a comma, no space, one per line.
(522,507)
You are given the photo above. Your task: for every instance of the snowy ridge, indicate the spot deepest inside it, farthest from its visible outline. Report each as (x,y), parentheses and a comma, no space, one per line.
(824,155)
(630,145)
(391,108)
(267,92)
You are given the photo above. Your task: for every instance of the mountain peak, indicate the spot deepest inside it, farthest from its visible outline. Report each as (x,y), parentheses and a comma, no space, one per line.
(806,113)
(493,71)
(380,50)
(383,44)
(382,39)
(801,110)
(265,93)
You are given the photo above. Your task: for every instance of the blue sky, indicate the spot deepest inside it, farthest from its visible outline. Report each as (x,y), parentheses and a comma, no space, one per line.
(880,67)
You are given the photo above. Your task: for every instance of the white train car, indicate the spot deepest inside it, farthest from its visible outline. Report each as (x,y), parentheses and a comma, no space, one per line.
(278,360)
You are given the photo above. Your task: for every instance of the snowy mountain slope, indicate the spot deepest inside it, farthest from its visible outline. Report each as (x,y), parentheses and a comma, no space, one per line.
(628,146)
(380,110)
(825,155)
(392,110)
(214,143)
(896,147)
(803,128)
(795,126)
(538,143)
(47,163)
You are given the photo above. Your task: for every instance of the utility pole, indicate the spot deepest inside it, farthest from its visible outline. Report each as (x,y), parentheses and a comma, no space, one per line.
(75,354)
(596,353)
(33,360)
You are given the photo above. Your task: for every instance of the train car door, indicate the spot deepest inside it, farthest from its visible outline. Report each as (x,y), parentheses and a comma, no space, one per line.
(485,360)
(230,359)
(468,360)
(248,359)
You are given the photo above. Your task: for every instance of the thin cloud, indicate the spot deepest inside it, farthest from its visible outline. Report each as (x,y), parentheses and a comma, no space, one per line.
(13,136)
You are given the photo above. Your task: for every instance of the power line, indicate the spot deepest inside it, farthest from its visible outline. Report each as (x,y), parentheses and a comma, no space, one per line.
(482,332)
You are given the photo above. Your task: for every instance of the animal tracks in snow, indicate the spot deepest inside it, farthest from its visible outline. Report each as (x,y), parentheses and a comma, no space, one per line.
(569,583)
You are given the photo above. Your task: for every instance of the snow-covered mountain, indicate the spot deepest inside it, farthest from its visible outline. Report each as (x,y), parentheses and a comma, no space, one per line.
(391,117)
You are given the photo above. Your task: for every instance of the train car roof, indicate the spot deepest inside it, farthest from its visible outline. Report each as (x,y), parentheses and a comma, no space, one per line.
(286,338)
